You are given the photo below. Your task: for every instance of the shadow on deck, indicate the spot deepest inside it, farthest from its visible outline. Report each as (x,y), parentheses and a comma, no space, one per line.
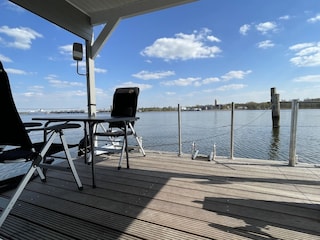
(163,196)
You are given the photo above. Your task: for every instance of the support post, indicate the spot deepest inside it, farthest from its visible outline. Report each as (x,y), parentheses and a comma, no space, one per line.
(179,130)
(91,88)
(275,106)
(232,129)
(293,133)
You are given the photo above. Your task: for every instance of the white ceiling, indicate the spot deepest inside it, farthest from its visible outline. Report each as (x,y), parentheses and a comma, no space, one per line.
(79,16)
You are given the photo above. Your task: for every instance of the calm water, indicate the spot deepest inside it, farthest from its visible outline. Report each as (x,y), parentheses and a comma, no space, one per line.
(253,134)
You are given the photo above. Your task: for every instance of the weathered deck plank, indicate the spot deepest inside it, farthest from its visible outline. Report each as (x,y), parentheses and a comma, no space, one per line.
(163,196)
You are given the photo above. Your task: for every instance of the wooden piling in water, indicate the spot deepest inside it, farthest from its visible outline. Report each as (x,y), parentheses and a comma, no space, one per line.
(275,106)
(179,130)
(293,133)
(232,131)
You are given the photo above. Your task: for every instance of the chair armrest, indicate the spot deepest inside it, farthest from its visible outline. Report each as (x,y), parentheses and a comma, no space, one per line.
(57,127)
(32,124)
(63,126)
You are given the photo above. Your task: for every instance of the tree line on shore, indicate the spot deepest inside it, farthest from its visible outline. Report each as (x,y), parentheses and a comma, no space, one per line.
(305,104)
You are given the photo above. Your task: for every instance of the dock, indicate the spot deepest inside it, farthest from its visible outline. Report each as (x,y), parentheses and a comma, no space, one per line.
(163,196)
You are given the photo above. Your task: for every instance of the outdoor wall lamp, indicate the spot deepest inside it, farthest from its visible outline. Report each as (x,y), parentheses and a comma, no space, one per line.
(77,53)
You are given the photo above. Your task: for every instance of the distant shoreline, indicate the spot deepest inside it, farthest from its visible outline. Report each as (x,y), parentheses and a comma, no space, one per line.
(283,106)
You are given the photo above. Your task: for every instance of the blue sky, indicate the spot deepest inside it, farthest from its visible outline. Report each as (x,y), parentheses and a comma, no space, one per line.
(232,51)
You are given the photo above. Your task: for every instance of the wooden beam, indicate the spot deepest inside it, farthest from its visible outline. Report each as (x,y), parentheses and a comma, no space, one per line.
(131,10)
(62,14)
(103,36)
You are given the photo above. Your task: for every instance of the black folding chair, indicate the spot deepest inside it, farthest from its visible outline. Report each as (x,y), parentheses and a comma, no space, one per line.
(18,147)
(125,101)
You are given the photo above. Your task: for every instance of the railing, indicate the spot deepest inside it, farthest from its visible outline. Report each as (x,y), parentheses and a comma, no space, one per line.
(235,136)
(293,158)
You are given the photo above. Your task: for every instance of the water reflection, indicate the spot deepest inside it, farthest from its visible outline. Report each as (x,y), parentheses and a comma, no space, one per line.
(274,144)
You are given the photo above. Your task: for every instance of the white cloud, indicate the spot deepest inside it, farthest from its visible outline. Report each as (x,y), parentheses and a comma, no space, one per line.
(66,49)
(22,37)
(299,46)
(146,75)
(308,79)
(285,17)
(81,64)
(101,92)
(263,28)
(210,80)
(36,88)
(16,71)
(133,84)
(244,29)
(231,87)
(265,44)
(4,58)
(32,94)
(197,81)
(266,27)
(54,82)
(306,54)
(213,39)
(235,75)
(314,19)
(34,91)
(181,82)
(184,46)
(78,93)
(100,70)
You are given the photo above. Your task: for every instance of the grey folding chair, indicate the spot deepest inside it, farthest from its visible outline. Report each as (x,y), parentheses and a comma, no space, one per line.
(125,101)
(18,147)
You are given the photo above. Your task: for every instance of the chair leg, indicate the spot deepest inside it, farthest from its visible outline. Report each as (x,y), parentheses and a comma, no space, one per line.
(49,141)
(121,154)
(126,148)
(140,144)
(137,139)
(41,174)
(67,153)
(70,161)
(17,194)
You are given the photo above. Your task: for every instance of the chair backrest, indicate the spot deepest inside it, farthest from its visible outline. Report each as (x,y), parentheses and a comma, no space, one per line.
(125,102)
(12,130)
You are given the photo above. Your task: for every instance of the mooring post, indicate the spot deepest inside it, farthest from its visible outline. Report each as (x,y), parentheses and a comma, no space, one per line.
(293,133)
(232,127)
(179,130)
(275,106)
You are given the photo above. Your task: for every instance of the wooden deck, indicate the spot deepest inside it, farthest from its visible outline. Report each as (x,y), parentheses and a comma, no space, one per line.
(163,196)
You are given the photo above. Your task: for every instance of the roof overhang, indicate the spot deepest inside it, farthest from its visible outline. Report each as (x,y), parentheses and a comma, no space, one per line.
(80,16)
